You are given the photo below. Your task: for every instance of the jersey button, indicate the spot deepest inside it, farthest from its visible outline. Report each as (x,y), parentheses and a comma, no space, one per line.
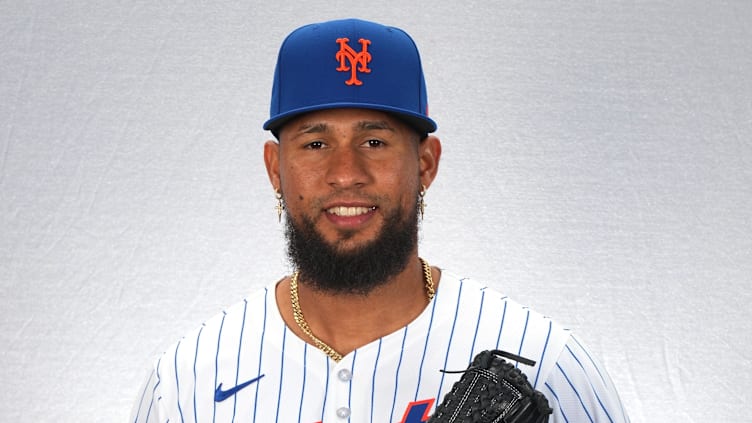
(344,375)
(343,412)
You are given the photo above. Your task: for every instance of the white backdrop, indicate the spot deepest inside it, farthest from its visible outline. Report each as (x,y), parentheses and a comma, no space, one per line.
(597,166)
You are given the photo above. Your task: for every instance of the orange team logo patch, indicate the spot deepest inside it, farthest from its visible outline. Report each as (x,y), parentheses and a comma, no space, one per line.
(352,61)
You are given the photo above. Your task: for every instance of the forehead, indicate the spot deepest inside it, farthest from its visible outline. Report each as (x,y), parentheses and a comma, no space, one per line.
(345,119)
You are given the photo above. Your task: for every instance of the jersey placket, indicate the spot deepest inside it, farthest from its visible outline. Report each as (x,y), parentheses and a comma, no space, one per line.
(340,405)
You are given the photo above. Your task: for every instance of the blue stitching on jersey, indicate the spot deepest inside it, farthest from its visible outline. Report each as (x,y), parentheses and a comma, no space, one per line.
(143,395)
(558,403)
(591,384)
(159,398)
(237,365)
(326,387)
(582,347)
(451,335)
(396,376)
(195,380)
(159,382)
(373,377)
(349,393)
(524,332)
(425,345)
(177,381)
(501,325)
(302,391)
(281,372)
(606,383)
(543,353)
(598,369)
(216,360)
(584,408)
(261,351)
(477,324)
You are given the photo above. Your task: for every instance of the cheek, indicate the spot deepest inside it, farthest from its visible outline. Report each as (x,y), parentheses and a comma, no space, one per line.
(297,183)
(403,180)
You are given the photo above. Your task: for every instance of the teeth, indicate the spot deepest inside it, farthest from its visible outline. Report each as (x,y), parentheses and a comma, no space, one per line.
(349,211)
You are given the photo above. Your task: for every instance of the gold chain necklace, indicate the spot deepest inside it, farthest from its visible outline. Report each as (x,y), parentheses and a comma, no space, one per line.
(297,313)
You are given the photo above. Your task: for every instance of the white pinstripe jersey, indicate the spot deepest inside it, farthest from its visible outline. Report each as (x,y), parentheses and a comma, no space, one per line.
(393,379)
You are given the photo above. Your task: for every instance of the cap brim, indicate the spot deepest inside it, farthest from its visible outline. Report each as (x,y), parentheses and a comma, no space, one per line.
(421,123)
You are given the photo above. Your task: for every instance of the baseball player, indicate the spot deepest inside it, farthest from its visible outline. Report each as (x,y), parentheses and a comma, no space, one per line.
(364,330)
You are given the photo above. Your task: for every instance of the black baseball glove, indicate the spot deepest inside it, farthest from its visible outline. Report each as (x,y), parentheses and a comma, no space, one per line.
(492,390)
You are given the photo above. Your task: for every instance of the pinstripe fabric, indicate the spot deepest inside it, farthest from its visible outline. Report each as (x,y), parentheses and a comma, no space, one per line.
(393,379)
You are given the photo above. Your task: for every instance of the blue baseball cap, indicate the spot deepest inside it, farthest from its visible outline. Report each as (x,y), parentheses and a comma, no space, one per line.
(349,63)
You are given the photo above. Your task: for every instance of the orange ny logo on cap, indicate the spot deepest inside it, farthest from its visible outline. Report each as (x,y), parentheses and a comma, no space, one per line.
(358,61)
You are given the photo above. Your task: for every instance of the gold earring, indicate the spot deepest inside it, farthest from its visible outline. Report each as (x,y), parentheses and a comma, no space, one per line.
(421,202)
(280,205)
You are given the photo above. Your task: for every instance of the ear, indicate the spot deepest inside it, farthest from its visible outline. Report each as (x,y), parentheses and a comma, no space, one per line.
(271,160)
(429,153)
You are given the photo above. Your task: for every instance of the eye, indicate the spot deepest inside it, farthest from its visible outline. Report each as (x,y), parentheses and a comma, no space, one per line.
(374,143)
(315,145)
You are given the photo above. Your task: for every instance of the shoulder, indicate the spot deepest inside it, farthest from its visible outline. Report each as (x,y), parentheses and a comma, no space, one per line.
(489,319)
(465,293)
(226,326)
(567,372)
(192,362)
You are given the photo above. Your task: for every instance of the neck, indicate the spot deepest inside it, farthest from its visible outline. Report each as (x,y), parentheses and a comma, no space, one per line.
(348,321)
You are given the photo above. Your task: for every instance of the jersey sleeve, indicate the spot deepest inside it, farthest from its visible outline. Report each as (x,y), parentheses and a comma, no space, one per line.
(146,407)
(580,390)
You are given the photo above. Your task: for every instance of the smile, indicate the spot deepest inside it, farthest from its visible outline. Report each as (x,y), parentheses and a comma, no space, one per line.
(350,211)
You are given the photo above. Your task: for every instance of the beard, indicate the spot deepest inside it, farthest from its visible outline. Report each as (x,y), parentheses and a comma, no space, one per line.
(326,267)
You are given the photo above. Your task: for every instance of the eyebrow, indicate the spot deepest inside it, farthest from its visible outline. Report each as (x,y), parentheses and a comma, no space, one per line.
(364,125)
(314,128)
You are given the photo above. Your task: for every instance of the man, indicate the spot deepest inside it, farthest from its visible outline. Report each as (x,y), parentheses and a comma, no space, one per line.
(363,328)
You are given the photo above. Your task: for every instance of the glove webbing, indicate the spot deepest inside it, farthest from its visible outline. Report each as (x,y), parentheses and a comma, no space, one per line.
(492,390)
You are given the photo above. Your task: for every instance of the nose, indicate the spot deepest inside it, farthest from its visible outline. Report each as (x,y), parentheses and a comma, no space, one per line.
(346,168)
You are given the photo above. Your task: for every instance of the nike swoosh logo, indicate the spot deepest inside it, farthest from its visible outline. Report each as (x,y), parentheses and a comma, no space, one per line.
(220,395)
